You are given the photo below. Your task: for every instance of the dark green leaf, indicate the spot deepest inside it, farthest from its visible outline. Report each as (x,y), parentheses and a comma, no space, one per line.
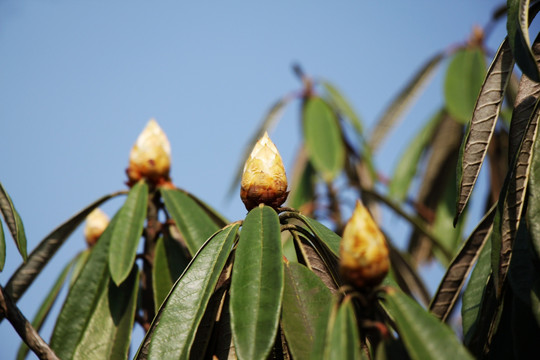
(169,263)
(511,203)
(322,138)
(127,232)
(108,331)
(407,165)
(474,292)
(518,35)
(424,336)
(40,256)
(343,106)
(257,284)
(82,298)
(533,207)
(13,222)
(321,232)
(194,223)
(46,305)
(464,79)
(174,328)
(343,339)
(403,100)
(484,118)
(80,261)
(2,247)
(304,300)
(458,270)
(303,183)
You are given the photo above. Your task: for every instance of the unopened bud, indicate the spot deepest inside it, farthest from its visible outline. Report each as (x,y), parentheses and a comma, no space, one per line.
(150,157)
(96,223)
(264,180)
(364,253)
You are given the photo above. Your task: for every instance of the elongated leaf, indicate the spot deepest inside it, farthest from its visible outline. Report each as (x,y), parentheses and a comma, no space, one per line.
(257,284)
(456,274)
(406,276)
(40,256)
(321,232)
(303,183)
(2,247)
(407,166)
(82,298)
(194,223)
(322,138)
(174,328)
(533,207)
(269,121)
(169,263)
(343,106)
(518,34)
(127,232)
(463,81)
(403,101)
(108,333)
(424,336)
(482,125)
(13,221)
(474,292)
(511,204)
(344,338)
(304,300)
(216,217)
(45,307)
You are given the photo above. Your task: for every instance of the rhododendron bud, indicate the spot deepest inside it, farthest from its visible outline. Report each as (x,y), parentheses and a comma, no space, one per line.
(364,253)
(96,223)
(264,180)
(150,157)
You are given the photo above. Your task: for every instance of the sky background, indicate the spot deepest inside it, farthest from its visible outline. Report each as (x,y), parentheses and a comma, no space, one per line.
(79,80)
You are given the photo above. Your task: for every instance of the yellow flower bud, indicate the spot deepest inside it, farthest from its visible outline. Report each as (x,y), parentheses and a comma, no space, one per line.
(96,223)
(264,180)
(364,253)
(150,157)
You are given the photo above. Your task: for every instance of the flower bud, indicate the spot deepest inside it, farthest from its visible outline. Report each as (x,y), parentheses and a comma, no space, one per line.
(96,223)
(150,157)
(264,180)
(364,253)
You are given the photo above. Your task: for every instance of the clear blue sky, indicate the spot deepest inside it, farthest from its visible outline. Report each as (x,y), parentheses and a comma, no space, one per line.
(80,79)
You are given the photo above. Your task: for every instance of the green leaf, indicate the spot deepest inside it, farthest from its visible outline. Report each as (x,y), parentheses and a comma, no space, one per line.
(40,256)
(474,292)
(329,238)
(344,338)
(45,307)
(533,207)
(175,326)
(127,232)
(257,284)
(482,126)
(108,332)
(343,106)
(194,223)
(424,336)
(2,247)
(304,300)
(82,298)
(518,34)
(13,221)
(407,166)
(464,79)
(303,183)
(322,138)
(403,100)
(169,263)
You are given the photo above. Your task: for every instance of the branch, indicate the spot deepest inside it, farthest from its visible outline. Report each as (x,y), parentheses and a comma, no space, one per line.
(25,330)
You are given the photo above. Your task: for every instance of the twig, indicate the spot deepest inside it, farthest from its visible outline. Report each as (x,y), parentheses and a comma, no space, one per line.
(25,330)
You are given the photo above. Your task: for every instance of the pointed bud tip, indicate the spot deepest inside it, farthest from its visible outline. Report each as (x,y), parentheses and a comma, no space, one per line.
(364,260)
(264,180)
(150,157)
